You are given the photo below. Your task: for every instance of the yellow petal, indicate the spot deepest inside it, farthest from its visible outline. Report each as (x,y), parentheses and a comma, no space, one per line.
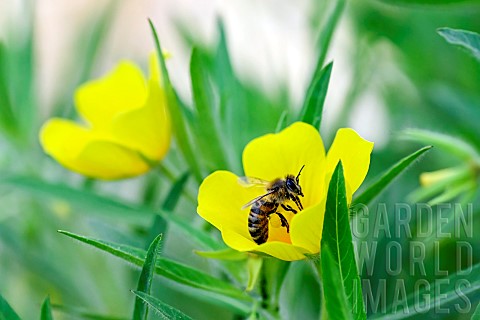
(276,155)
(100,100)
(220,202)
(64,139)
(280,250)
(107,160)
(306,227)
(354,151)
(80,150)
(145,129)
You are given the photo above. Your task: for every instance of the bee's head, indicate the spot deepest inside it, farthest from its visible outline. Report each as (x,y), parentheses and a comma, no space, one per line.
(293,183)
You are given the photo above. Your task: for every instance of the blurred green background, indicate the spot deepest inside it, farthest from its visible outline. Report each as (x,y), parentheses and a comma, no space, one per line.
(391,71)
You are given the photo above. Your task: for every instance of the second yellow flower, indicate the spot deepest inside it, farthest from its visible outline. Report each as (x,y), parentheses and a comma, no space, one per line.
(126,130)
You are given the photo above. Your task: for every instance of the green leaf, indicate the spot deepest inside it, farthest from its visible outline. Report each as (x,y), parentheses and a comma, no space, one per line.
(162,309)
(453,192)
(427,2)
(140,310)
(282,122)
(199,236)
(327,32)
(23,76)
(88,44)
(233,101)
(338,237)
(46,313)
(80,198)
(382,182)
(159,224)
(476,314)
(454,288)
(175,192)
(176,113)
(76,313)
(336,302)
(312,108)
(8,121)
(455,146)
(225,75)
(317,91)
(452,178)
(97,205)
(225,254)
(6,312)
(208,129)
(463,38)
(167,268)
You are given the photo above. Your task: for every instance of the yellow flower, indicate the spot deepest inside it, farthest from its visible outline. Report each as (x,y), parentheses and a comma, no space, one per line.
(272,156)
(127,125)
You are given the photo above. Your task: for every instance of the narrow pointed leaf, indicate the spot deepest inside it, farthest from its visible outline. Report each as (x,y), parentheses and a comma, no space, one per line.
(167,268)
(159,224)
(463,38)
(195,234)
(338,237)
(205,105)
(88,46)
(140,310)
(315,98)
(382,182)
(162,309)
(422,3)
(175,192)
(282,122)
(8,121)
(6,312)
(327,31)
(79,314)
(84,199)
(46,313)
(455,146)
(97,205)
(336,302)
(176,113)
(476,314)
(454,289)
(224,74)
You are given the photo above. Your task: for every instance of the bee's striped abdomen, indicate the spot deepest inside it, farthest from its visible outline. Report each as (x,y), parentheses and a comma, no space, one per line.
(258,221)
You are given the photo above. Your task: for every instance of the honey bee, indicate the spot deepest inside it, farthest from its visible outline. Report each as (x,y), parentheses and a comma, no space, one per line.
(279,191)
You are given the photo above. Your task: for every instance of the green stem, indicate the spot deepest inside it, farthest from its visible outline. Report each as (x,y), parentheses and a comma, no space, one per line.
(263,289)
(89,183)
(317,266)
(167,173)
(272,276)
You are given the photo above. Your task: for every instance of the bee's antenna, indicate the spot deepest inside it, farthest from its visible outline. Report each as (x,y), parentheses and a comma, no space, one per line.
(298,175)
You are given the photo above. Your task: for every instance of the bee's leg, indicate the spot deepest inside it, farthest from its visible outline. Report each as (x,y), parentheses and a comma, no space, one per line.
(297,202)
(288,208)
(284,221)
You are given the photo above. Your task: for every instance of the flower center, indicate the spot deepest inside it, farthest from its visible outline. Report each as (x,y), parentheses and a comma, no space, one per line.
(278,228)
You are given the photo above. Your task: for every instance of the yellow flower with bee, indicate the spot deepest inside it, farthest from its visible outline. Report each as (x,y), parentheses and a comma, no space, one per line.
(279,211)
(126,129)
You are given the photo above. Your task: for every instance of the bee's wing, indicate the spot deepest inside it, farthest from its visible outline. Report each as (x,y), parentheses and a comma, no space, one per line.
(252,182)
(256,199)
